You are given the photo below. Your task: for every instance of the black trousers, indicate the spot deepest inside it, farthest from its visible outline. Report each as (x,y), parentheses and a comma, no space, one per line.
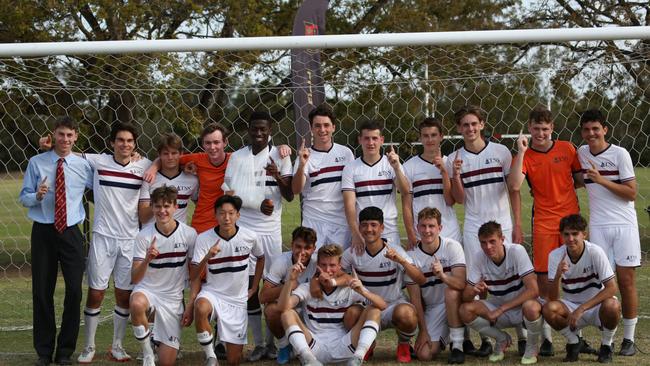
(49,248)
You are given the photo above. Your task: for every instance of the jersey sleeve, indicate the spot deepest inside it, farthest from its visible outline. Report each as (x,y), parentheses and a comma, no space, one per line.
(506,161)
(601,264)
(625,167)
(575,162)
(474,273)
(190,158)
(144,191)
(403,254)
(449,163)
(302,292)
(408,172)
(346,260)
(191,242)
(257,249)
(347,177)
(92,159)
(285,167)
(356,297)
(140,247)
(227,176)
(200,250)
(553,263)
(524,164)
(524,265)
(457,255)
(277,271)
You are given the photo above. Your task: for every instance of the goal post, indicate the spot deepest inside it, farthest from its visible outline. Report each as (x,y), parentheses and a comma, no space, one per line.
(398,79)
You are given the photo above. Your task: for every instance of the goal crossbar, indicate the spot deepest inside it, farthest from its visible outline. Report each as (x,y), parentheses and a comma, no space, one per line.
(325,41)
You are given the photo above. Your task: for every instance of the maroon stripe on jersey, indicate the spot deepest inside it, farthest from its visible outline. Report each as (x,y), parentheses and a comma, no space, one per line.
(569,281)
(377,182)
(418,183)
(444,269)
(171,255)
(377,274)
(118,174)
(496,169)
(228,259)
(183,196)
(327,170)
(501,282)
(604,172)
(326,310)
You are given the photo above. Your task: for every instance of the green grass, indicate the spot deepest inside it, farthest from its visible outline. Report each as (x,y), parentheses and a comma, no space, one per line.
(15,287)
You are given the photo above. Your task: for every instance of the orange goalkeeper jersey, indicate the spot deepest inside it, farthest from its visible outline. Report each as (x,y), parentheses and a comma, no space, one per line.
(550,177)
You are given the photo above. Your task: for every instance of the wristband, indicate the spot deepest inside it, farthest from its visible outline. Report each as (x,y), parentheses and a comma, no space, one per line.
(333,282)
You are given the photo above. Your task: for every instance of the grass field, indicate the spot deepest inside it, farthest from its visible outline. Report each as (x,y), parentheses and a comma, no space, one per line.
(15,286)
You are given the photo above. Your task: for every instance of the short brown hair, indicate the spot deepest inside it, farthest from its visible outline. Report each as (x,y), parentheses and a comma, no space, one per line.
(164,193)
(469,109)
(67,122)
(573,222)
(169,141)
(330,250)
(210,128)
(490,228)
(308,235)
(430,213)
(323,110)
(540,114)
(431,122)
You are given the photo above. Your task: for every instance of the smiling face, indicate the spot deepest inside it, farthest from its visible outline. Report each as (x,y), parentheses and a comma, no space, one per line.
(123,145)
(64,139)
(540,133)
(429,230)
(330,265)
(593,132)
(371,230)
(301,251)
(214,145)
(258,133)
(470,126)
(492,246)
(322,130)
(430,137)
(163,211)
(574,239)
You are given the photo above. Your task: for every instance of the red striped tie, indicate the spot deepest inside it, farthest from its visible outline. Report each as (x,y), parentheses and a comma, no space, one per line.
(60,213)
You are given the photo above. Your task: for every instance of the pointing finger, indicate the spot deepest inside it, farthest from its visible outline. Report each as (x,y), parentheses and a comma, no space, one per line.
(354,273)
(457,154)
(593,166)
(302,145)
(153,242)
(48,138)
(43,180)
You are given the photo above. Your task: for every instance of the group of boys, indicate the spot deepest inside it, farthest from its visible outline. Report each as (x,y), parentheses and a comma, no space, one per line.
(352,287)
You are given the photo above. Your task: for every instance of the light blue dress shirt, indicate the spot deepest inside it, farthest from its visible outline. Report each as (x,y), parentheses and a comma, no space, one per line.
(78,176)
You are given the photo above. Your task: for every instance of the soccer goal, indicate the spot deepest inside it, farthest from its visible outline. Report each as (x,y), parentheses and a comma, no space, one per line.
(398,79)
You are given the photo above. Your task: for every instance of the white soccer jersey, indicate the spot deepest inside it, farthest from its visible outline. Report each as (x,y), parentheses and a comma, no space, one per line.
(116,190)
(606,208)
(166,274)
(321,197)
(227,274)
(374,185)
(378,274)
(281,265)
(254,218)
(324,317)
(504,280)
(486,193)
(426,188)
(186,184)
(450,254)
(586,277)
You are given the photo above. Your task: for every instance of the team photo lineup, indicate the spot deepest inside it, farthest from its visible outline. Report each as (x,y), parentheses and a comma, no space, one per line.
(348,274)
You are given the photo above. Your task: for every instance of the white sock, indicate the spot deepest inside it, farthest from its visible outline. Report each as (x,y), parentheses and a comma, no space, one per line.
(91,318)
(142,335)
(522,334)
(283,342)
(255,325)
(457,336)
(120,319)
(270,338)
(547,331)
(607,336)
(629,328)
(534,329)
(483,327)
(367,335)
(205,340)
(299,342)
(571,336)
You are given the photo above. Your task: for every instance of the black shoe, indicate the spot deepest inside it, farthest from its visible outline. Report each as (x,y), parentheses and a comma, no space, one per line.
(605,354)
(468,347)
(42,361)
(628,348)
(521,347)
(456,357)
(572,352)
(546,349)
(63,360)
(586,348)
(220,350)
(485,350)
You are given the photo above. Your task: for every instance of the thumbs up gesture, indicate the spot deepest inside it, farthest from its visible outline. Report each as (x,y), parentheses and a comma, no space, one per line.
(152,251)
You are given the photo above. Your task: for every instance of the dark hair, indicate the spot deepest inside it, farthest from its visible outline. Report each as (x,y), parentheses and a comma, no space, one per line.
(323,110)
(371,213)
(260,116)
(214,126)
(169,141)
(371,125)
(308,235)
(233,200)
(490,228)
(540,114)
(469,109)
(431,122)
(165,193)
(593,115)
(573,222)
(67,122)
(330,250)
(119,127)
(430,213)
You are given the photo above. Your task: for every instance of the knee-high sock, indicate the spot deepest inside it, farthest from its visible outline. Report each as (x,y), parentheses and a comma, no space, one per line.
(299,342)
(205,340)
(255,325)
(142,334)
(120,319)
(485,329)
(571,336)
(91,318)
(534,329)
(629,328)
(367,335)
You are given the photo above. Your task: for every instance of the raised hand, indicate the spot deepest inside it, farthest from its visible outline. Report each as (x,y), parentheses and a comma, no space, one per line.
(45,142)
(152,251)
(593,173)
(563,267)
(43,187)
(481,286)
(522,142)
(272,169)
(393,158)
(190,168)
(392,255)
(303,153)
(295,271)
(437,268)
(215,249)
(357,244)
(458,163)
(355,283)
(284,151)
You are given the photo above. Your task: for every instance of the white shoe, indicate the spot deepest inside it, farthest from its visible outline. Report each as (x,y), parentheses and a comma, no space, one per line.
(211,362)
(118,354)
(86,355)
(149,361)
